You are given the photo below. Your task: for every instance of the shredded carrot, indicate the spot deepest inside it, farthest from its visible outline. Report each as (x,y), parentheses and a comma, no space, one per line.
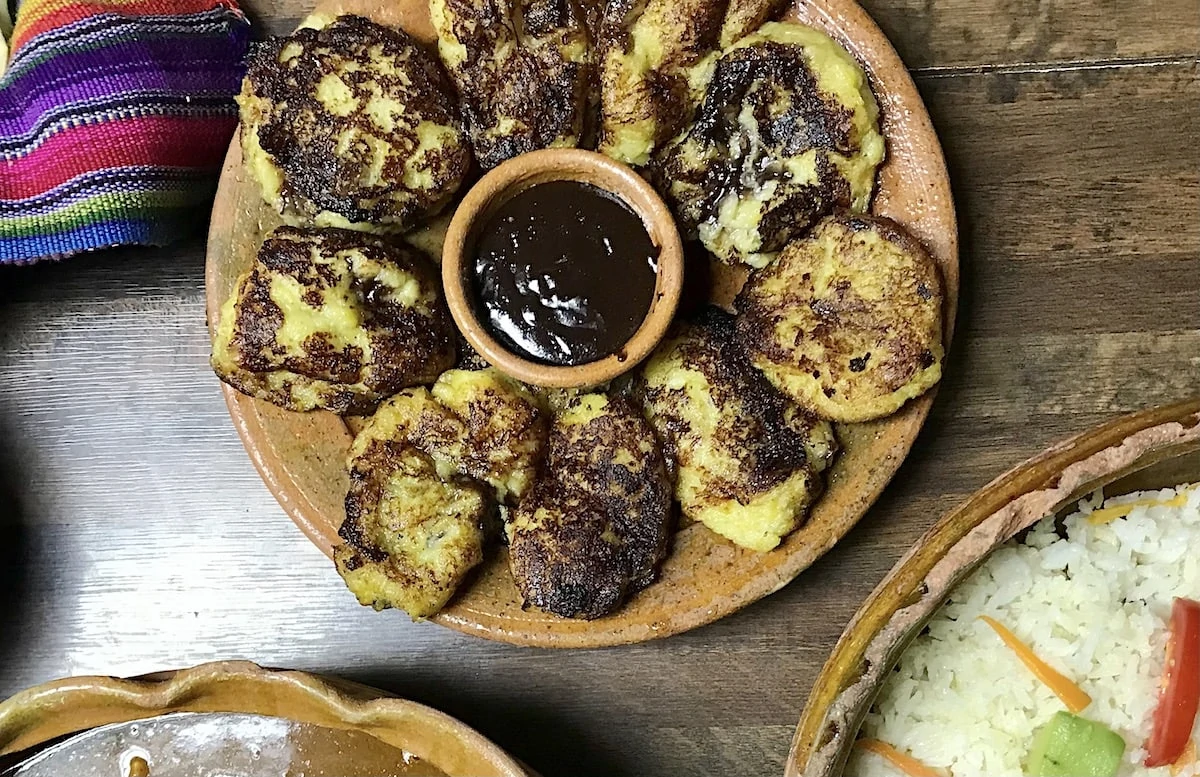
(1071,694)
(1186,758)
(1109,514)
(902,761)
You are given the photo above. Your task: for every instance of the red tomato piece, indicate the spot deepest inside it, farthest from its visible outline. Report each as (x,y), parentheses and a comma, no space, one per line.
(1175,715)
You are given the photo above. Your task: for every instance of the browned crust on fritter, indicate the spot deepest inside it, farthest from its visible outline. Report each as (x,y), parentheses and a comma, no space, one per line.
(491,448)
(891,231)
(770,439)
(756,75)
(369,473)
(902,333)
(368,476)
(409,347)
(593,17)
(531,82)
(301,136)
(468,357)
(666,99)
(593,21)
(745,16)
(609,524)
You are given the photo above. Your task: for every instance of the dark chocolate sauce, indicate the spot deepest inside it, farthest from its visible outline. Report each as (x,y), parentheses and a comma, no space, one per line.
(564,273)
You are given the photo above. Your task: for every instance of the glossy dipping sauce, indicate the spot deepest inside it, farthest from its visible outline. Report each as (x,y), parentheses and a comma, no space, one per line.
(564,273)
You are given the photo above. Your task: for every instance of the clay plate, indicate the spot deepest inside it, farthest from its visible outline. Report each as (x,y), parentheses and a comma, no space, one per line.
(302,456)
(46,712)
(1154,449)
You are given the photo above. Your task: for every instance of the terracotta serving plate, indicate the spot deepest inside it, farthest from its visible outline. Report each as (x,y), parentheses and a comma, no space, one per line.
(1154,449)
(44,713)
(302,456)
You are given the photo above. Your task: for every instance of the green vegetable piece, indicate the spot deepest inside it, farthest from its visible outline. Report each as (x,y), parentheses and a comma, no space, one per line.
(1071,746)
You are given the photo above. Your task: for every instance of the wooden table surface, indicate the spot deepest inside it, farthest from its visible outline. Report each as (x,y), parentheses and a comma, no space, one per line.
(136,536)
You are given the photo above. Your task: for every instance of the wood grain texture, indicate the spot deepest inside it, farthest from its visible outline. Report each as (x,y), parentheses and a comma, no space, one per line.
(940,34)
(135,535)
(957,34)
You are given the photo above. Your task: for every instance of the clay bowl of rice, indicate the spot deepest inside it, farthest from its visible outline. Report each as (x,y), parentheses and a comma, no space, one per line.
(1050,625)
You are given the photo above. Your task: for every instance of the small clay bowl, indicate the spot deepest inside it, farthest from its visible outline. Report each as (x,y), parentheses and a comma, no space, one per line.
(524,172)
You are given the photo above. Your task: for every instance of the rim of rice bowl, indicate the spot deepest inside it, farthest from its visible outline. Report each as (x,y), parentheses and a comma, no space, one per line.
(1094,604)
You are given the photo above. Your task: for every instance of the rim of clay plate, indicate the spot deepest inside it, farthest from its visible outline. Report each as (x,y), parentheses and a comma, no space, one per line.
(919,583)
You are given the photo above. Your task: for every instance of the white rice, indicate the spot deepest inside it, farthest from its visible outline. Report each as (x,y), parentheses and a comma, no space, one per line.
(1094,606)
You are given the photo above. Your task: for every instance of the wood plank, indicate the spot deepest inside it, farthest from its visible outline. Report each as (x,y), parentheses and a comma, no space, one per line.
(973,33)
(991,33)
(135,534)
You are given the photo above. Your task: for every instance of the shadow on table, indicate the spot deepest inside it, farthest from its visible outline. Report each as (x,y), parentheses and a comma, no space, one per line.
(14,550)
(533,734)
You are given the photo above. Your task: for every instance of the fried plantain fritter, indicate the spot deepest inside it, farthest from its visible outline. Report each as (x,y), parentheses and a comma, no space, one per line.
(743,17)
(596,525)
(593,17)
(820,442)
(653,56)
(748,460)
(522,69)
(350,124)
(334,320)
(848,321)
(503,430)
(411,534)
(788,132)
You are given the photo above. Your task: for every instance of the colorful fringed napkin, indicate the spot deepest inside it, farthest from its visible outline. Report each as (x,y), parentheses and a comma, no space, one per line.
(114,118)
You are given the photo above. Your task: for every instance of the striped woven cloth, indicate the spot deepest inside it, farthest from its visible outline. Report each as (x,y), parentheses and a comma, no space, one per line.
(114,119)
